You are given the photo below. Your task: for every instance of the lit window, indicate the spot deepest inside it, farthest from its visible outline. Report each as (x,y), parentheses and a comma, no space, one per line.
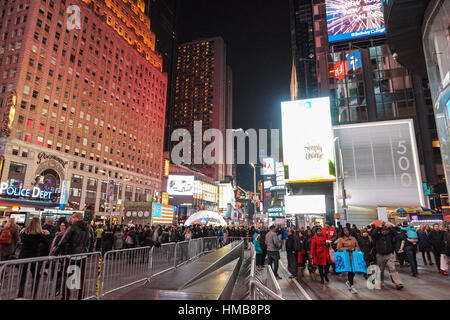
(42,127)
(39,141)
(30,123)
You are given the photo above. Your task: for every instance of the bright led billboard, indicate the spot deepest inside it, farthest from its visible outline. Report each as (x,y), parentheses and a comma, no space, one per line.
(180,185)
(350,19)
(308,149)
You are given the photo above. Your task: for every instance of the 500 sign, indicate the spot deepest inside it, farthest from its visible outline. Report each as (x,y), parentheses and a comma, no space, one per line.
(404,164)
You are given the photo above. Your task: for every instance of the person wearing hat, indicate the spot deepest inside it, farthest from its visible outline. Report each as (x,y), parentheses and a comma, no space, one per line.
(273,252)
(384,247)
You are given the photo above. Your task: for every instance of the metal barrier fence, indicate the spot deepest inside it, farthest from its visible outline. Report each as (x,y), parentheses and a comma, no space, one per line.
(72,277)
(123,268)
(271,281)
(91,276)
(257,290)
(247,241)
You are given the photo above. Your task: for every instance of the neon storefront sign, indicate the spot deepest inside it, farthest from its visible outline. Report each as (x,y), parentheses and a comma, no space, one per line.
(34,193)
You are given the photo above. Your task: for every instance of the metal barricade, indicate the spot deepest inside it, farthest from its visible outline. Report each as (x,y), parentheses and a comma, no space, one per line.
(182,253)
(123,268)
(163,259)
(261,292)
(73,277)
(247,241)
(271,282)
(195,248)
(210,244)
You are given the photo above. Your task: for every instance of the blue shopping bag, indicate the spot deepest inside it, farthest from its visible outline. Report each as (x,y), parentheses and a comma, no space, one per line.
(342,261)
(358,263)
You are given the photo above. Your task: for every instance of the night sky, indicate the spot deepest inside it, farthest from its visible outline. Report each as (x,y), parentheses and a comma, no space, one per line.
(257,35)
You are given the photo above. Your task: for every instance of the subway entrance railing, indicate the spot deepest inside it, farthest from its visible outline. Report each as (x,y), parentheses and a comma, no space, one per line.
(93,276)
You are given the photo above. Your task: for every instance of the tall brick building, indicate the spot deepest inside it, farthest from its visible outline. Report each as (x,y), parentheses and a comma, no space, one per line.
(90,102)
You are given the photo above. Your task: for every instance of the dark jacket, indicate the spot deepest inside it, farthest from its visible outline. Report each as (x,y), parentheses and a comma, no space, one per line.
(79,238)
(424,243)
(107,240)
(366,246)
(31,245)
(437,240)
(293,243)
(383,244)
(447,243)
(44,248)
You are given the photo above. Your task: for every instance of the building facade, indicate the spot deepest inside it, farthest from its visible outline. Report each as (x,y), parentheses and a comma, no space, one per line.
(366,83)
(203,87)
(89,97)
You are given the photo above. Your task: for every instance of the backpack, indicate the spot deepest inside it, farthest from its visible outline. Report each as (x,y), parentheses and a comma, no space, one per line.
(6,236)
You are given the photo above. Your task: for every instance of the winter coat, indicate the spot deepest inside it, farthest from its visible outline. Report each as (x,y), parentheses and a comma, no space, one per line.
(258,248)
(330,232)
(44,249)
(366,246)
(79,238)
(56,241)
(307,243)
(293,243)
(31,244)
(262,240)
(424,243)
(7,250)
(118,240)
(272,241)
(347,243)
(383,244)
(319,251)
(447,243)
(107,240)
(437,240)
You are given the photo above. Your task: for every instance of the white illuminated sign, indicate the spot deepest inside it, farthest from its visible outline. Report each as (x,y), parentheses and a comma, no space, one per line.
(35,193)
(180,185)
(305,204)
(268,167)
(308,149)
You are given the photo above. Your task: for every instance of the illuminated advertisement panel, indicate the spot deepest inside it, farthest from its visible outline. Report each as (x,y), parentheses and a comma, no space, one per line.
(305,204)
(180,185)
(381,164)
(350,19)
(308,149)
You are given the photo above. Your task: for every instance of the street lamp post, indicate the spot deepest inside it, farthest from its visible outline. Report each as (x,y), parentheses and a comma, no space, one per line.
(304,60)
(254,191)
(342,178)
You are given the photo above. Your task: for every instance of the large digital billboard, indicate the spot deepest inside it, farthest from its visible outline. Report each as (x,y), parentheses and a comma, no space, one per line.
(308,149)
(305,204)
(380,164)
(180,185)
(350,19)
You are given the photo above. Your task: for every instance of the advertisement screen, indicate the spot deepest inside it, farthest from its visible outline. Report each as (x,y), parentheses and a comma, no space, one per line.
(308,149)
(305,204)
(268,167)
(381,164)
(350,19)
(180,185)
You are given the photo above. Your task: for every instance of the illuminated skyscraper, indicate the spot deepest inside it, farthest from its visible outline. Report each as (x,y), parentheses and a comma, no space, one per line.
(90,100)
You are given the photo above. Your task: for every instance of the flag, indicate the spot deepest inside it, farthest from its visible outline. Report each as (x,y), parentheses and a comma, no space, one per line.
(163,214)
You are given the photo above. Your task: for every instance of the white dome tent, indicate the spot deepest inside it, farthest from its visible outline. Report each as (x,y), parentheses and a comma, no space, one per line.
(213,218)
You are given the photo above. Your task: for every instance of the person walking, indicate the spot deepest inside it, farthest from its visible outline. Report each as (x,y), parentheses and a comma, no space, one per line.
(436,238)
(384,245)
(262,242)
(410,251)
(273,247)
(365,243)
(424,244)
(293,246)
(31,238)
(320,254)
(9,238)
(307,246)
(348,242)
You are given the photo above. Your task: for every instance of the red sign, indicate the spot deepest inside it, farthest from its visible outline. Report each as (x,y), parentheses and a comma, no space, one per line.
(447,217)
(340,70)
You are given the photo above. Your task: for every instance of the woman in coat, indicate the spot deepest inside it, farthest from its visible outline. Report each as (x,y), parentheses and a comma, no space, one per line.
(320,254)
(436,238)
(118,238)
(349,243)
(31,238)
(307,246)
(7,250)
(107,240)
(258,250)
(58,236)
(424,244)
(366,244)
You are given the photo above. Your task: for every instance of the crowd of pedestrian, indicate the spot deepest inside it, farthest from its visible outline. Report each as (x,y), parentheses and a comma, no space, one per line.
(313,249)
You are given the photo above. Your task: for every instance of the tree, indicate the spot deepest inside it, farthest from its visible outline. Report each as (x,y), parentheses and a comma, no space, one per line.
(88,216)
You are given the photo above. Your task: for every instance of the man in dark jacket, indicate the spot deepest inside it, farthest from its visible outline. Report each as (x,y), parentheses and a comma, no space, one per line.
(79,238)
(262,242)
(384,246)
(293,247)
(436,237)
(49,225)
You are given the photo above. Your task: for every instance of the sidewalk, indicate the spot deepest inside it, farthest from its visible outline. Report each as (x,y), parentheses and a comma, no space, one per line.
(429,285)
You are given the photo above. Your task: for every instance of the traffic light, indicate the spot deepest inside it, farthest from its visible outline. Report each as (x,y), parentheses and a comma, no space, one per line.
(238,194)
(251,196)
